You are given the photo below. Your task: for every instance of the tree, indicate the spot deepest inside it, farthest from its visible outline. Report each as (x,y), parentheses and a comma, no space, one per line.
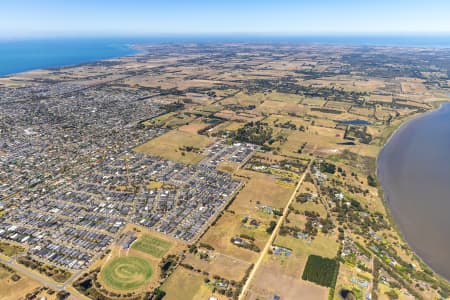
(371,181)
(271,227)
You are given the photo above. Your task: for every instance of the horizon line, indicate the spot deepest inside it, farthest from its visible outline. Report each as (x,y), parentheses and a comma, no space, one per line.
(229,34)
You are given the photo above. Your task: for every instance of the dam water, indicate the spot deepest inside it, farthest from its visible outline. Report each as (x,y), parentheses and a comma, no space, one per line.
(414,171)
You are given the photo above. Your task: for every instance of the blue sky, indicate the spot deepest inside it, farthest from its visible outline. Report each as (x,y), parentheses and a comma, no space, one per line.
(19,18)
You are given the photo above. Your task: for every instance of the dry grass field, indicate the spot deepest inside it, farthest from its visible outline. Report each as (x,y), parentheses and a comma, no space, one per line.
(194,127)
(350,83)
(244,99)
(309,206)
(262,188)
(219,236)
(186,285)
(171,120)
(207,109)
(364,112)
(282,119)
(412,86)
(228,267)
(227,126)
(380,98)
(271,280)
(13,290)
(238,116)
(170,146)
(322,245)
(313,102)
(228,167)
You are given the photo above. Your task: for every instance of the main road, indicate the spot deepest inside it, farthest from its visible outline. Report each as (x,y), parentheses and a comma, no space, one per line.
(44,280)
(274,234)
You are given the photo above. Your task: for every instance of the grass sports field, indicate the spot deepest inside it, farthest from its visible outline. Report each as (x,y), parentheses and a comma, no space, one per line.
(127,273)
(152,245)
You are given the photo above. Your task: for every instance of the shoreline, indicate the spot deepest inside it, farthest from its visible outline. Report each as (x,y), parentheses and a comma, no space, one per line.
(382,194)
(130,46)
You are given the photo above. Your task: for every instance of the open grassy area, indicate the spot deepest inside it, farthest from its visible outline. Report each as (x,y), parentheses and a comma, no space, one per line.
(274,278)
(219,236)
(321,245)
(127,273)
(13,290)
(217,263)
(227,126)
(314,102)
(258,98)
(9,249)
(183,285)
(159,120)
(194,127)
(170,146)
(170,120)
(350,83)
(152,245)
(263,189)
(208,109)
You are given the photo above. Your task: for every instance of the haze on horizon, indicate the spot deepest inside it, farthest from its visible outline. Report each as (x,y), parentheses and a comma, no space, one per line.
(53,18)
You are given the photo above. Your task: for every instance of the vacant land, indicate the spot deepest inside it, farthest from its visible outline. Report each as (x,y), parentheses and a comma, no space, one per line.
(9,250)
(14,285)
(271,280)
(218,263)
(174,146)
(322,245)
(221,234)
(185,284)
(194,127)
(261,189)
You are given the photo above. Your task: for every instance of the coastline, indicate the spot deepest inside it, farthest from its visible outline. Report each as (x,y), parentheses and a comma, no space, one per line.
(436,106)
(89,54)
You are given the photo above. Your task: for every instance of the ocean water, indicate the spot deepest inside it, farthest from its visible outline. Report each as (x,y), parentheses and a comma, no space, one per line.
(23,55)
(20,56)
